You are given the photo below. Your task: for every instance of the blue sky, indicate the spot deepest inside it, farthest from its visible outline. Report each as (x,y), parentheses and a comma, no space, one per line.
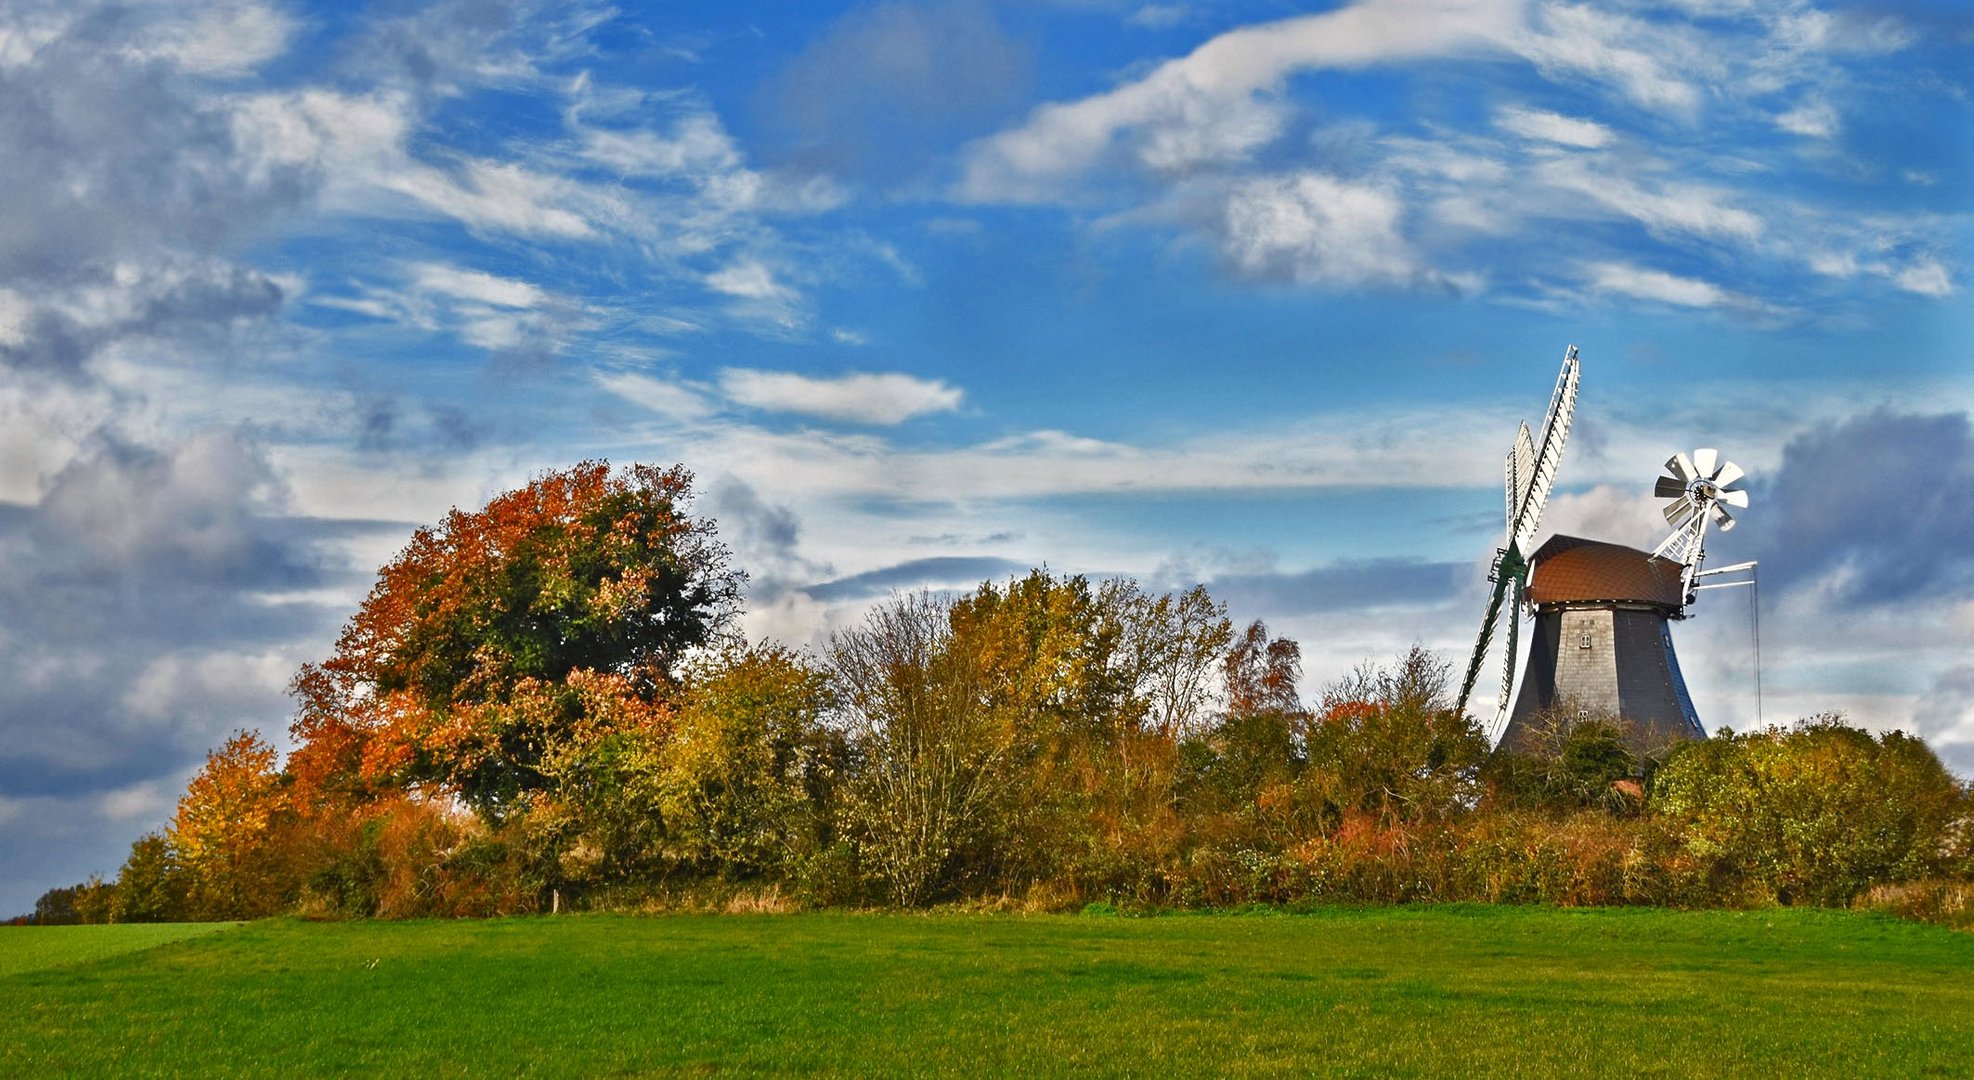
(925,292)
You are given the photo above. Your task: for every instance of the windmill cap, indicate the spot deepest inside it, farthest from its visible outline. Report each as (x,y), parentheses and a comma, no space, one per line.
(1570,569)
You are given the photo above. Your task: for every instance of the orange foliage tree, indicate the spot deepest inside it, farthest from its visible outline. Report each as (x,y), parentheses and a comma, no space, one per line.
(225,832)
(491,638)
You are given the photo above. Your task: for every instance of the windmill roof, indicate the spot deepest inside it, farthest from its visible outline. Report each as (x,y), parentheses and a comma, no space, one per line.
(1570,568)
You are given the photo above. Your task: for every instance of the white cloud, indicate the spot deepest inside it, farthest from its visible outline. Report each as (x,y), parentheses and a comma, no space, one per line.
(14,312)
(1644,60)
(1209,106)
(476,285)
(1815,120)
(858,398)
(359,147)
(497,195)
(145,801)
(1553,127)
(670,400)
(1317,229)
(1636,281)
(1927,277)
(1159,16)
(697,146)
(220,39)
(229,687)
(749,279)
(1695,209)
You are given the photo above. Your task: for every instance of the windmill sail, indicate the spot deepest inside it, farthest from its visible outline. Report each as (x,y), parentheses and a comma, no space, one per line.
(1701,489)
(1549,452)
(1530,474)
(1521,474)
(1505,697)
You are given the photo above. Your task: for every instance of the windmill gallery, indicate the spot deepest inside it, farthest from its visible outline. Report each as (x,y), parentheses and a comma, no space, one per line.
(1602,640)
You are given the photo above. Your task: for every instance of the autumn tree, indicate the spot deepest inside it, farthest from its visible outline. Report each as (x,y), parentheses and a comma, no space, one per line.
(1233,768)
(933,761)
(744,783)
(224,833)
(1385,741)
(459,669)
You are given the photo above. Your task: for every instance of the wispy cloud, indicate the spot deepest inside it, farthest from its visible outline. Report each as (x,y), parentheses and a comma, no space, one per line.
(1216,104)
(1646,284)
(667,399)
(1552,127)
(476,285)
(882,399)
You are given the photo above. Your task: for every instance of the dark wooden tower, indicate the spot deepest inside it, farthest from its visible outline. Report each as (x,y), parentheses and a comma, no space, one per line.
(1602,643)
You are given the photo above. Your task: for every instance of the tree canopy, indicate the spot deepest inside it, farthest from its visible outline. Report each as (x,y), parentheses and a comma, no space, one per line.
(495,630)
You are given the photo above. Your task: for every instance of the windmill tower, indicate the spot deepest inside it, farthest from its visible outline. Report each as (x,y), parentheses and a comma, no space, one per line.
(1602,641)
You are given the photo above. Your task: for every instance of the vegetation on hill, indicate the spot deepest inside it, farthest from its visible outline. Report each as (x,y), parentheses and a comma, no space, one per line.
(543,704)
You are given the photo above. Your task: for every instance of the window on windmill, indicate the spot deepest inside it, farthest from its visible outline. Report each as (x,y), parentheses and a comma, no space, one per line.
(1584,641)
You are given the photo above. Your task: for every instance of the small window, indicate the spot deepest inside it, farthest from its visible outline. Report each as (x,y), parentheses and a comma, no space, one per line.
(1584,641)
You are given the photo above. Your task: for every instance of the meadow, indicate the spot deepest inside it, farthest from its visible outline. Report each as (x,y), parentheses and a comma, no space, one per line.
(1427,990)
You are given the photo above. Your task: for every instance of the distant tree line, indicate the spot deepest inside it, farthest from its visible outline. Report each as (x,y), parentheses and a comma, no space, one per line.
(545,705)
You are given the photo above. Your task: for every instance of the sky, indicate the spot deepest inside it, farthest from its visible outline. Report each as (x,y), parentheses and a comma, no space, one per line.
(1241,292)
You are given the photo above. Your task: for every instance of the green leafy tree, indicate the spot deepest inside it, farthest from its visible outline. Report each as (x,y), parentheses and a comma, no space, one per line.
(1570,762)
(743,785)
(152,886)
(1816,813)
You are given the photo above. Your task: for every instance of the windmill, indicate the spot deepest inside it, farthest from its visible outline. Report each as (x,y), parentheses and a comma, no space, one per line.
(1602,641)
(1531,473)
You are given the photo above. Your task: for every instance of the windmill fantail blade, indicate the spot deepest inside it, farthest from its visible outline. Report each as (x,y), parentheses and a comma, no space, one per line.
(1681,512)
(1734,498)
(1722,517)
(1705,459)
(1679,466)
(1668,488)
(1729,473)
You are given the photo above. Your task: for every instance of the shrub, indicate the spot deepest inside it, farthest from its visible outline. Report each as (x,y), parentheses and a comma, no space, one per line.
(1815,814)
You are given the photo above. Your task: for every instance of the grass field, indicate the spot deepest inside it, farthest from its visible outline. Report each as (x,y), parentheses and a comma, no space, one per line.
(1408,991)
(34,948)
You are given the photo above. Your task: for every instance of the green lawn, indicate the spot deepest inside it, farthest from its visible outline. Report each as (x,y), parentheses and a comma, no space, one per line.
(1410,991)
(31,948)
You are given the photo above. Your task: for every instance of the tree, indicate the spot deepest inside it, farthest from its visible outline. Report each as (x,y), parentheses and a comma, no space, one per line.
(1253,747)
(442,675)
(933,760)
(56,907)
(223,833)
(152,885)
(1570,762)
(1816,813)
(1387,742)
(743,784)
(1261,673)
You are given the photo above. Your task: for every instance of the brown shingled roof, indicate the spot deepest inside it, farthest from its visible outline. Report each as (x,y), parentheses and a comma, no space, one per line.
(1570,568)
